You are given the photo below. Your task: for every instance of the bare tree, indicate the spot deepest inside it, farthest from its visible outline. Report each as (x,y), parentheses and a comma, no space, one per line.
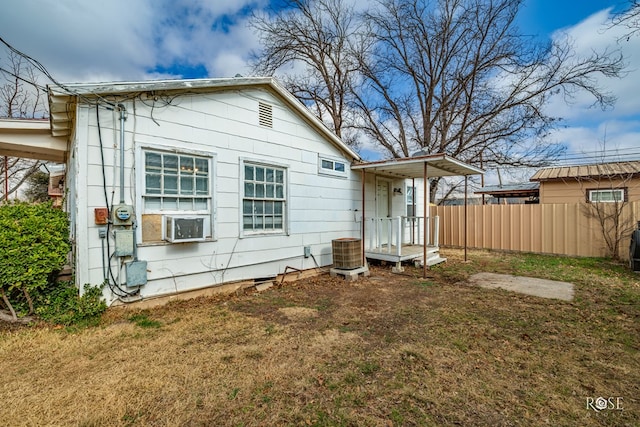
(607,203)
(630,19)
(15,172)
(315,39)
(20,97)
(450,76)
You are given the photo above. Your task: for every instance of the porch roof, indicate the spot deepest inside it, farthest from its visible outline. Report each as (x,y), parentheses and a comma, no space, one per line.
(32,139)
(413,167)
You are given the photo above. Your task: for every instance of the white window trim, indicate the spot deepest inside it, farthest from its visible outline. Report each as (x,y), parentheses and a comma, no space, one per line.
(140,149)
(287,198)
(333,172)
(621,191)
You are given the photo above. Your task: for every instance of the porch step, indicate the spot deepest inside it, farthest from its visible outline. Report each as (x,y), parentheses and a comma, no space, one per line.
(433,258)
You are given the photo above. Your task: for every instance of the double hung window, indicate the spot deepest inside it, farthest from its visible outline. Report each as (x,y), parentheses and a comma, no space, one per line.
(264,198)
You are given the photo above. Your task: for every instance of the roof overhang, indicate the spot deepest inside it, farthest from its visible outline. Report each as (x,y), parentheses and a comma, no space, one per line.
(511,193)
(438,165)
(31,139)
(594,171)
(511,190)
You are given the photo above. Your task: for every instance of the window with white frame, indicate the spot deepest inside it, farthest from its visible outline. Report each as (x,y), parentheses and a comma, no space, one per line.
(176,182)
(607,195)
(263,198)
(332,167)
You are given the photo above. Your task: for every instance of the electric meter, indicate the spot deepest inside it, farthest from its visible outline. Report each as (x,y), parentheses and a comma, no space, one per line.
(122,215)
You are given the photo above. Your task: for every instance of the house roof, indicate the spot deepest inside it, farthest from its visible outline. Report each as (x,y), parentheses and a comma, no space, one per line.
(588,171)
(511,190)
(64,98)
(413,167)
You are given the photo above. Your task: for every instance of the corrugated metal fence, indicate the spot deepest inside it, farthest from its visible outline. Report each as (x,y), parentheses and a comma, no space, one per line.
(565,229)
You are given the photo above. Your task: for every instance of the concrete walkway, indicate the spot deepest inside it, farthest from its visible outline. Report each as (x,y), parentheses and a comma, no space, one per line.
(524,285)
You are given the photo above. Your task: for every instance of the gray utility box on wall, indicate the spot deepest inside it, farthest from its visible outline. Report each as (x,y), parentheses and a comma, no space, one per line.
(136,273)
(124,242)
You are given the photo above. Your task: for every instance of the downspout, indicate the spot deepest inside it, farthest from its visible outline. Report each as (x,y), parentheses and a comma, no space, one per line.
(6,178)
(364,261)
(123,117)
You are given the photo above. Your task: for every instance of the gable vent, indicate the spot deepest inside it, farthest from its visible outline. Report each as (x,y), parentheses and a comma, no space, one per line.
(265,114)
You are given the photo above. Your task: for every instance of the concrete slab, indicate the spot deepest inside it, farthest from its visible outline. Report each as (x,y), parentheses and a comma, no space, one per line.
(350,275)
(524,285)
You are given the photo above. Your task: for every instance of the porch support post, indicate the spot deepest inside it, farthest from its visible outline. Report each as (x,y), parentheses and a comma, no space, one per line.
(364,261)
(466,182)
(425,183)
(413,202)
(6,178)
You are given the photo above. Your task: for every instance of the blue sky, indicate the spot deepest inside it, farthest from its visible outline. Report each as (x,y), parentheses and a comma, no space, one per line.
(542,17)
(89,41)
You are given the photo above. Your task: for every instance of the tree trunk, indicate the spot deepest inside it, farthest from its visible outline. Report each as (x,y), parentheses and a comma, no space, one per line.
(29,301)
(14,317)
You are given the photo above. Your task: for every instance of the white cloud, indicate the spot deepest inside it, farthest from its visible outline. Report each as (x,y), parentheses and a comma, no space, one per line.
(83,41)
(589,129)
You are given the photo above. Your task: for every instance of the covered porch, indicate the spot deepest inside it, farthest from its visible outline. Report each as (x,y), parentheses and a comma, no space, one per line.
(31,139)
(400,239)
(401,229)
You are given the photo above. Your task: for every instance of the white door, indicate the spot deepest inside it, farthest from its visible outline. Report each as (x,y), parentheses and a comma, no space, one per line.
(383,210)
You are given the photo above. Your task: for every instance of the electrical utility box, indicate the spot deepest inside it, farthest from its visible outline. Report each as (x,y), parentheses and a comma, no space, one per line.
(124,242)
(136,273)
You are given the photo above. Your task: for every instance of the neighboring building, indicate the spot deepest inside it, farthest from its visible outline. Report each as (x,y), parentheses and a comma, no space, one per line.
(460,201)
(603,182)
(56,184)
(511,194)
(179,185)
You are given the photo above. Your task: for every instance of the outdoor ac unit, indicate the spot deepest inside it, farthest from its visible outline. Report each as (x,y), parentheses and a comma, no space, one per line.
(180,229)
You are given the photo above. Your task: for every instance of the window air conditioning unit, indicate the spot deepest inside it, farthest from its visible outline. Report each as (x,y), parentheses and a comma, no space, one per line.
(180,229)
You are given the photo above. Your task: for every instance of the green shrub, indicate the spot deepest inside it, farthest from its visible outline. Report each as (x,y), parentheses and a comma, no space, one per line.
(34,243)
(61,304)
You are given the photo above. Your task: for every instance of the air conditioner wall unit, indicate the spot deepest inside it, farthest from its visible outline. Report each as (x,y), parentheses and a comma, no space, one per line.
(181,229)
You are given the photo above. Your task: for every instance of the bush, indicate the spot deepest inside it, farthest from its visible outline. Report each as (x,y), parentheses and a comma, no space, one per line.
(61,304)
(34,243)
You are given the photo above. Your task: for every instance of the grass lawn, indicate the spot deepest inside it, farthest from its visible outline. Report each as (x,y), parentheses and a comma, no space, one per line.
(390,349)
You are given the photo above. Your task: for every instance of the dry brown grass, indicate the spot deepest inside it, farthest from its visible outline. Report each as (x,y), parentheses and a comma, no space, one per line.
(385,350)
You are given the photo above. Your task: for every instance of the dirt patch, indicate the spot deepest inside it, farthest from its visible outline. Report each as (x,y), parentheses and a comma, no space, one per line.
(298,313)
(525,285)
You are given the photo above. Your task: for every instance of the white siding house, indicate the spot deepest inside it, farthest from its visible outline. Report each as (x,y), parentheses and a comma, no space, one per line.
(179,185)
(252,174)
